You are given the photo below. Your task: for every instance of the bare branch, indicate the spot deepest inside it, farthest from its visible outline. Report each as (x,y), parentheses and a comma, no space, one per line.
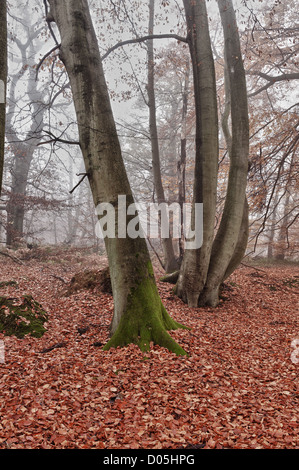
(81,180)
(57,139)
(44,58)
(272,80)
(142,39)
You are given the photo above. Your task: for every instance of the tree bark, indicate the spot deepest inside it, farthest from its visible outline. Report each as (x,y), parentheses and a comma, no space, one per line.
(244,229)
(271,236)
(23,149)
(181,169)
(170,261)
(228,233)
(139,316)
(195,264)
(282,242)
(3,78)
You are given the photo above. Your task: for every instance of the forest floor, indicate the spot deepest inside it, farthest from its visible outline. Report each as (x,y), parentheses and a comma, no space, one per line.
(238,388)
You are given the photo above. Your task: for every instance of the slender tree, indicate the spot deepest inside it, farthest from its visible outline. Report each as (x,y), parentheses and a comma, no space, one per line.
(170,262)
(3,80)
(23,148)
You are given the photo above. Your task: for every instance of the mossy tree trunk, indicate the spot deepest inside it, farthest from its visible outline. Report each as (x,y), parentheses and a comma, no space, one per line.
(139,316)
(3,78)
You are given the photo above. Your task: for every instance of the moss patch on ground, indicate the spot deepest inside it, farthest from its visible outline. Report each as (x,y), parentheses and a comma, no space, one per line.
(21,317)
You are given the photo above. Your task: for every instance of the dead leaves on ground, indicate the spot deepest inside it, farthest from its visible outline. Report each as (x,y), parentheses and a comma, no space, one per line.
(237,389)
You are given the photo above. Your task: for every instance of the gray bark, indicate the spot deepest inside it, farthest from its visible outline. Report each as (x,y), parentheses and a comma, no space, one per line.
(183,156)
(23,149)
(272,227)
(228,233)
(138,312)
(282,241)
(242,241)
(203,270)
(170,262)
(195,264)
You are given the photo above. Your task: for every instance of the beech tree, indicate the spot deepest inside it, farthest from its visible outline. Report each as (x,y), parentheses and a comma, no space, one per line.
(139,315)
(204,270)
(3,80)
(23,147)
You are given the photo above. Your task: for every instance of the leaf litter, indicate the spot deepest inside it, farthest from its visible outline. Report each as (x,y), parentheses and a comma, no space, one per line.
(237,389)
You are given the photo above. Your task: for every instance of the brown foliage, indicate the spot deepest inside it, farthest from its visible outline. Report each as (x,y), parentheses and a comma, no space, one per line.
(237,389)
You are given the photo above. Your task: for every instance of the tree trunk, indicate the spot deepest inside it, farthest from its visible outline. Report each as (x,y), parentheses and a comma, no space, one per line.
(228,233)
(195,264)
(23,150)
(3,80)
(282,242)
(183,157)
(244,229)
(272,227)
(16,204)
(170,262)
(139,316)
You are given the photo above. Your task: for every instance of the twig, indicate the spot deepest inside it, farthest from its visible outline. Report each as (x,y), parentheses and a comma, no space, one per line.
(55,346)
(253,267)
(156,253)
(14,258)
(81,180)
(44,58)
(58,277)
(57,139)
(49,19)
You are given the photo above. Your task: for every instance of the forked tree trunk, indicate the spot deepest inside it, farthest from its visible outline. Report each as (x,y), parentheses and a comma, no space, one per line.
(227,236)
(3,78)
(195,264)
(139,316)
(203,270)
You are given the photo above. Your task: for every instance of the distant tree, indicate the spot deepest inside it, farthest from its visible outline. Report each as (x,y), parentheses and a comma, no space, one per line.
(271,61)
(23,145)
(170,261)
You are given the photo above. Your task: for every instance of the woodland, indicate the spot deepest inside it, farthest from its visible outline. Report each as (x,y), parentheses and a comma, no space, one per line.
(111,341)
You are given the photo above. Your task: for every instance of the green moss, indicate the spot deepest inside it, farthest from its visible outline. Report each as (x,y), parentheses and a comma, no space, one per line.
(8,283)
(145,320)
(22,317)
